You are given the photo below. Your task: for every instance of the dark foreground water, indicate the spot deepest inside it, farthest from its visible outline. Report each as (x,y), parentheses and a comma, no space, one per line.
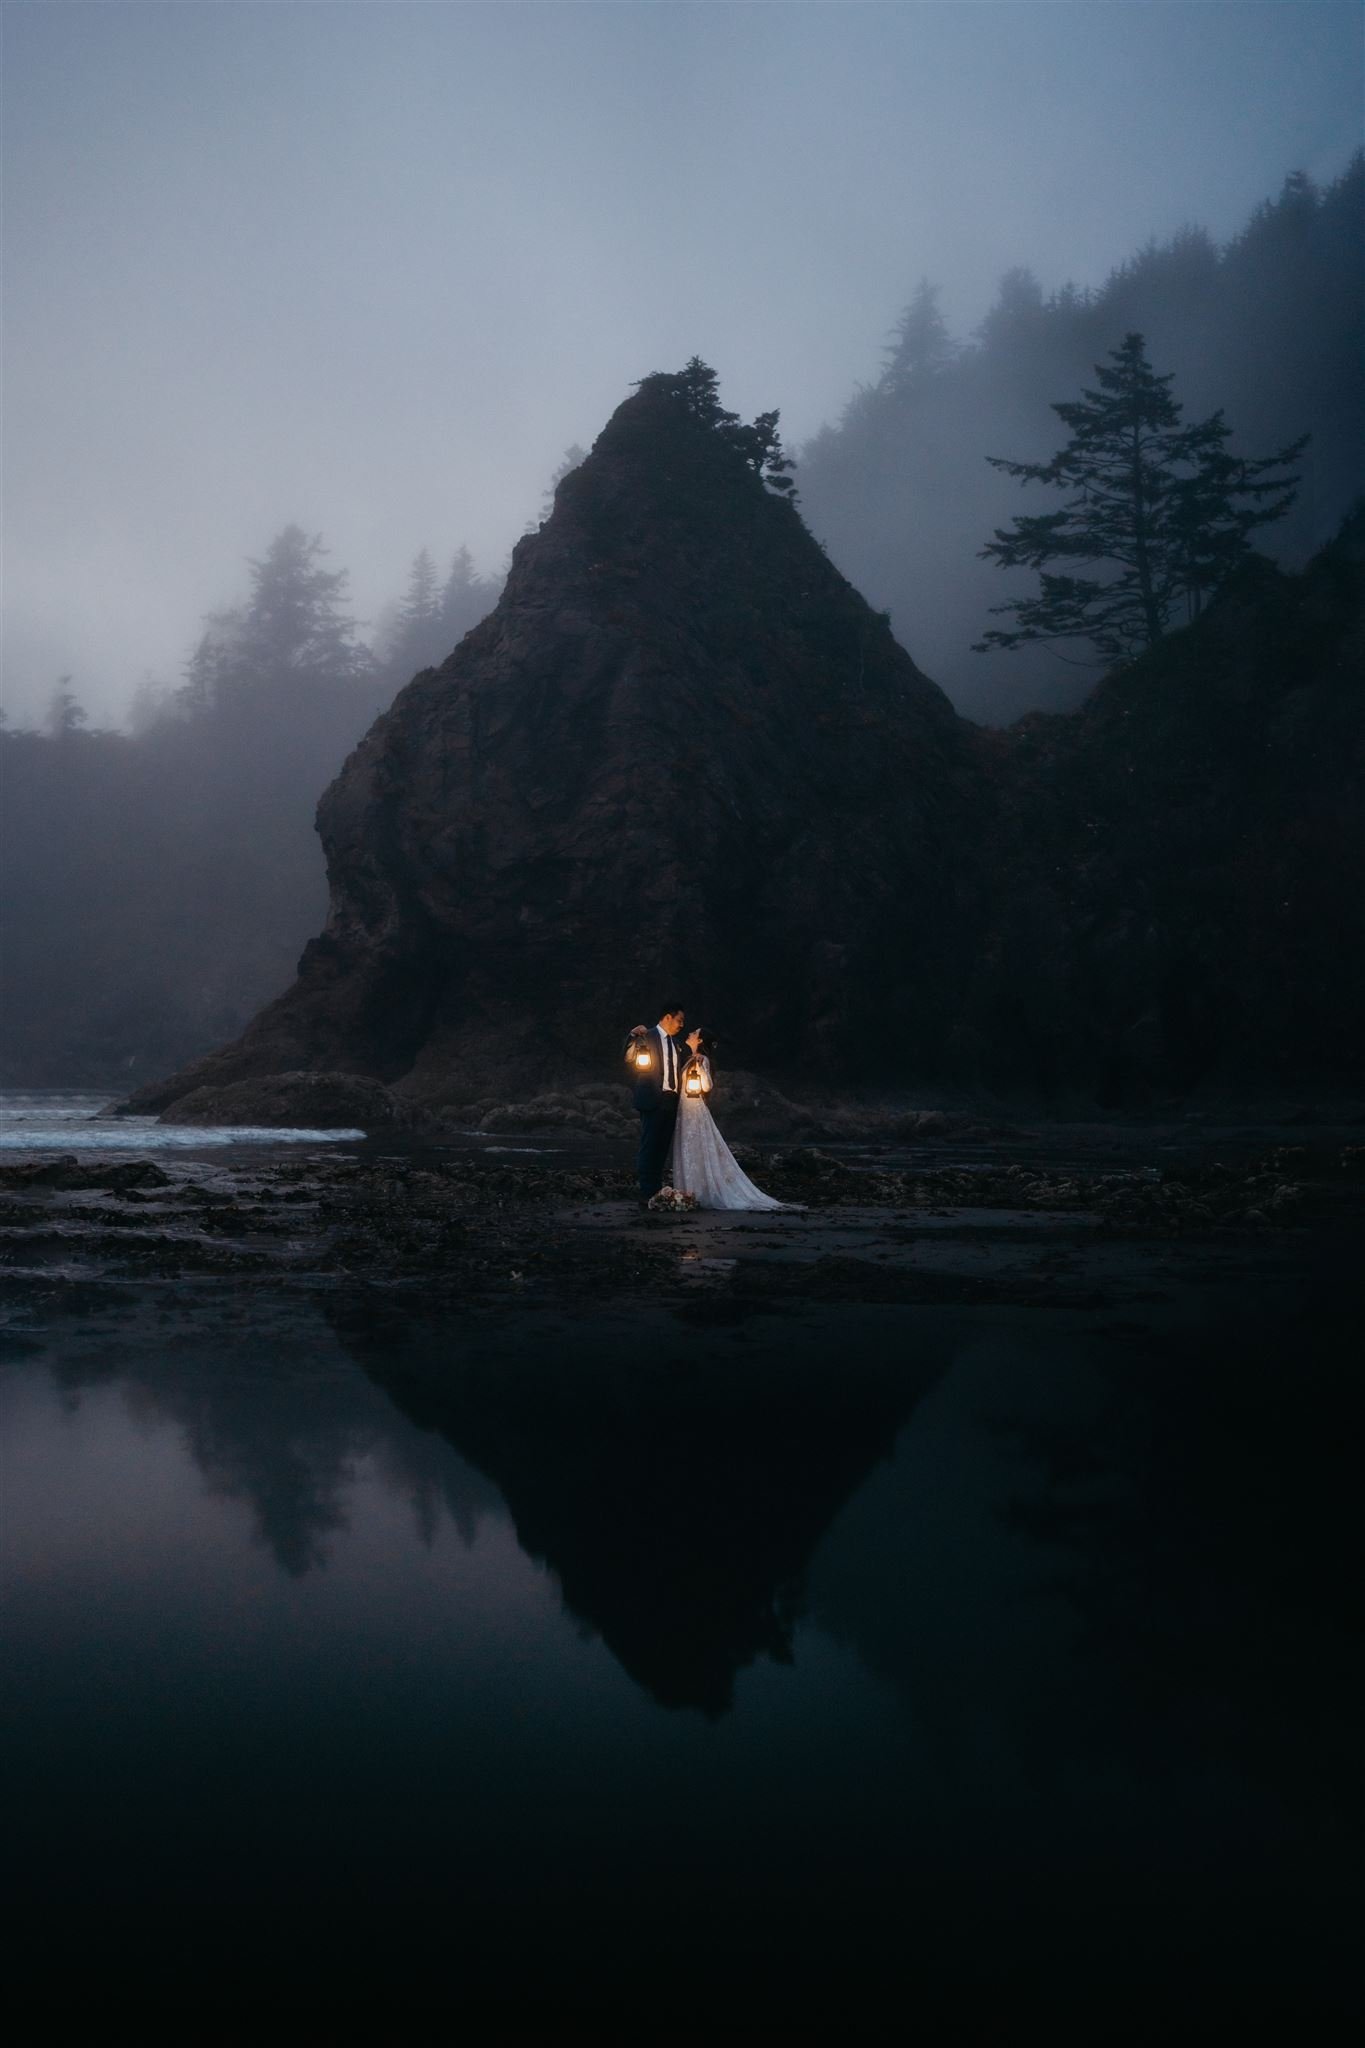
(650,1675)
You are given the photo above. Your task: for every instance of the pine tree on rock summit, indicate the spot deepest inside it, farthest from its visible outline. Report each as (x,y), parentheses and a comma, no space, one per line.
(1164,502)
(697,388)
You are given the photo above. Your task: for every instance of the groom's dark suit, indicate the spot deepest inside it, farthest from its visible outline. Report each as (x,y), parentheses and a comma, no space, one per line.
(657,1105)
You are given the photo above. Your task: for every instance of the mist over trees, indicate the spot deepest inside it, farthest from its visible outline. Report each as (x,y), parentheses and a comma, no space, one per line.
(1269,329)
(1155,501)
(431,618)
(65,712)
(158,884)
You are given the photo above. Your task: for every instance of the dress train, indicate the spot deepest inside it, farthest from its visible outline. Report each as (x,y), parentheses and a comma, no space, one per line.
(703,1164)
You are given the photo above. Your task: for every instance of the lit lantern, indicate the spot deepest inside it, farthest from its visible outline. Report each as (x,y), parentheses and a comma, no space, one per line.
(643,1057)
(693,1083)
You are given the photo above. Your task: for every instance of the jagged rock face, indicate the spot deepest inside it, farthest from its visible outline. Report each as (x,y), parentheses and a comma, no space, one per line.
(684,761)
(681,760)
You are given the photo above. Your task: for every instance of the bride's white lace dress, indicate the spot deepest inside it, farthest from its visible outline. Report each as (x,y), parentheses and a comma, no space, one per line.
(703,1164)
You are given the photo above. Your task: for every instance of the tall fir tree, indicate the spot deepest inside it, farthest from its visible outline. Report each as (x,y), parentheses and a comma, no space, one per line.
(418,636)
(208,670)
(466,597)
(422,605)
(1164,504)
(921,346)
(1018,319)
(293,625)
(65,713)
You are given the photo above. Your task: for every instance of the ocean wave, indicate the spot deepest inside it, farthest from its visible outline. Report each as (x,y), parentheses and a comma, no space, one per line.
(133,1134)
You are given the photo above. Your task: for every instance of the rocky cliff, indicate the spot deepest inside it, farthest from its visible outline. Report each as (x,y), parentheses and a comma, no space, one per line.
(682,759)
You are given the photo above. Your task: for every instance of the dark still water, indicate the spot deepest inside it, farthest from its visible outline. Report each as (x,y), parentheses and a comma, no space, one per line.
(710,1676)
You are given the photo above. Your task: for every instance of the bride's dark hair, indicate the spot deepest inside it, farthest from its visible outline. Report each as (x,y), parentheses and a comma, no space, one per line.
(707,1047)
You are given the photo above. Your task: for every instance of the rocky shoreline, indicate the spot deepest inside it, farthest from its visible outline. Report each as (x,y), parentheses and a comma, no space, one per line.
(343,1101)
(1064,1218)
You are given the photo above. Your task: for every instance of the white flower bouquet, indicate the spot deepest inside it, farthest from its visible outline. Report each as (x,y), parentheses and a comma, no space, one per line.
(673,1201)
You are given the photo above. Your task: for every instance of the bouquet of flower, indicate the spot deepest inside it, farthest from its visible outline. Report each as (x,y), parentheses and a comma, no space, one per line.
(675,1201)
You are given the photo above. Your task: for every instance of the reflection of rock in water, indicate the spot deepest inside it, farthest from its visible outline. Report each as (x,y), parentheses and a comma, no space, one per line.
(676,1484)
(273,1417)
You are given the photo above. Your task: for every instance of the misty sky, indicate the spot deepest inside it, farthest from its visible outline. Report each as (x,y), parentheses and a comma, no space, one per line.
(372,267)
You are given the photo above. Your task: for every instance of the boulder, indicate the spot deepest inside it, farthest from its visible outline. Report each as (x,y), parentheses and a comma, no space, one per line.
(297,1101)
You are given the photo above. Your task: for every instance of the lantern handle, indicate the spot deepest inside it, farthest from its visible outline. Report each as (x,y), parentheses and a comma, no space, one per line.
(635,1045)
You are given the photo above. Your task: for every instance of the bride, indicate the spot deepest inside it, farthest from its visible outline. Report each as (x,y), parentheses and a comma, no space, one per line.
(703,1164)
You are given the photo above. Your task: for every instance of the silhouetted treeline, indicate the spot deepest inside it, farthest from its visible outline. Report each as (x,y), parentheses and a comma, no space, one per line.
(1271,328)
(158,885)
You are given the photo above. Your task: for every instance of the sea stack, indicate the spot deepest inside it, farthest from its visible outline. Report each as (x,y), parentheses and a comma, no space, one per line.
(682,760)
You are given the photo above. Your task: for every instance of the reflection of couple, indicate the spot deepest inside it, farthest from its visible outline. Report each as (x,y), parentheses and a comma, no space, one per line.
(672,1079)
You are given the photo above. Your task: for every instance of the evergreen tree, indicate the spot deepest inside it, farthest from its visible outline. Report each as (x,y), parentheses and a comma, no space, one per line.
(1208,531)
(208,671)
(412,631)
(697,387)
(65,713)
(151,704)
(275,692)
(1287,219)
(421,607)
(573,459)
(761,445)
(414,625)
(465,599)
(1173,279)
(921,345)
(1070,302)
(293,625)
(1163,502)
(1018,319)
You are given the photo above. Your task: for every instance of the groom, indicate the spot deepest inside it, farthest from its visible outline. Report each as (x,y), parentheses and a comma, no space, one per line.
(655,1089)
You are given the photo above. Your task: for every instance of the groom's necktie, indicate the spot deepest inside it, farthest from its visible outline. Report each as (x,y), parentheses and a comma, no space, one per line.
(670,1067)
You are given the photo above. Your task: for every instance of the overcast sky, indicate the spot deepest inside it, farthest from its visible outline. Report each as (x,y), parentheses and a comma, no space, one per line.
(372,267)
